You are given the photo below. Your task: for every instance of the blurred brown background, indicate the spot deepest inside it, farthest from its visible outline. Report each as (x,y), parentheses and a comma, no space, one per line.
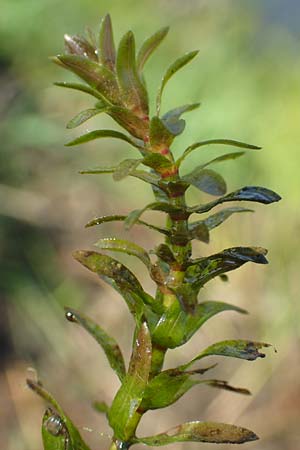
(247,77)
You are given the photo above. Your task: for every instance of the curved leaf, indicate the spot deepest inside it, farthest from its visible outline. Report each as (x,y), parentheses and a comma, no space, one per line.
(218,433)
(199,230)
(77,45)
(160,136)
(79,87)
(83,116)
(248,193)
(172,120)
(121,245)
(156,161)
(206,180)
(96,75)
(97,134)
(204,269)
(149,46)
(178,64)
(122,414)
(125,168)
(241,349)
(108,343)
(225,157)
(104,219)
(217,219)
(70,431)
(132,88)
(107,52)
(231,142)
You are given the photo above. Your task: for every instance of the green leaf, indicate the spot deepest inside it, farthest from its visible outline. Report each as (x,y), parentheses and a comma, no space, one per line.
(127,119)
(96,75)
(206,180)
(132,89)
(77,45)
(217,219)
(178,64)
(204,269)
(97,134)
(54,432)
(199,230)
(222,158)
(172,120)
(121,245)
(123,414)
(248,193)
(108,343)
(240,349)
(176,327)
(160,137)
(231,142)
(83,116)
(104,219)
(101,407)
(75,441)
(218,433)
(79,87)
(98,170)
(107,52)
(149,46)
(134,216)
(125,168)
(156,162)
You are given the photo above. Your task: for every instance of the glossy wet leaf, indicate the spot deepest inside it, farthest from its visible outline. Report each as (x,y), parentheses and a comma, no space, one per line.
(173,68)
(105,219)
(160,136)
(79,87)
(99,134)
(176,326)
(83,116)
(241,349)
(149,46)
(96,75)
(75,440)
(106,48)
(213,432)
(125,168)
(108,343)
(248,193)
(78,45)
(54,433)
(217,219)
(132,89)
(204,269)
(206,180)
(230,142)
(123,412)
(121,245)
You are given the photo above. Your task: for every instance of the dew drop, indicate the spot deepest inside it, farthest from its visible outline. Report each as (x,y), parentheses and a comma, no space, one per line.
(70,316)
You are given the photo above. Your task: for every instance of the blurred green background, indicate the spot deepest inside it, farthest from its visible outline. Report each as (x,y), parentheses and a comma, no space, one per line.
(247,77)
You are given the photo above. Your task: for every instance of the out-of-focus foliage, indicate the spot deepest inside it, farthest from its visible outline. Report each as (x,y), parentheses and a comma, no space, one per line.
(247,79)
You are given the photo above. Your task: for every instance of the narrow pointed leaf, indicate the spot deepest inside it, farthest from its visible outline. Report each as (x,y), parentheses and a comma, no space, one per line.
(97,134)
(96,75)
(199,230)
(129,397)
(101,407)
(178,64)
(218,433)
(108,343)
(83,116)
(222,158)
(79,87)
(241,349)
(125,168)
(204,269)
(248,193)
(121,245)
(230,142)
(75,439)
(217,219)
(98,170)
(77,45)
(133,91)
(134,216)
(206,180)
(105,219)
(149,46)
(107,52)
